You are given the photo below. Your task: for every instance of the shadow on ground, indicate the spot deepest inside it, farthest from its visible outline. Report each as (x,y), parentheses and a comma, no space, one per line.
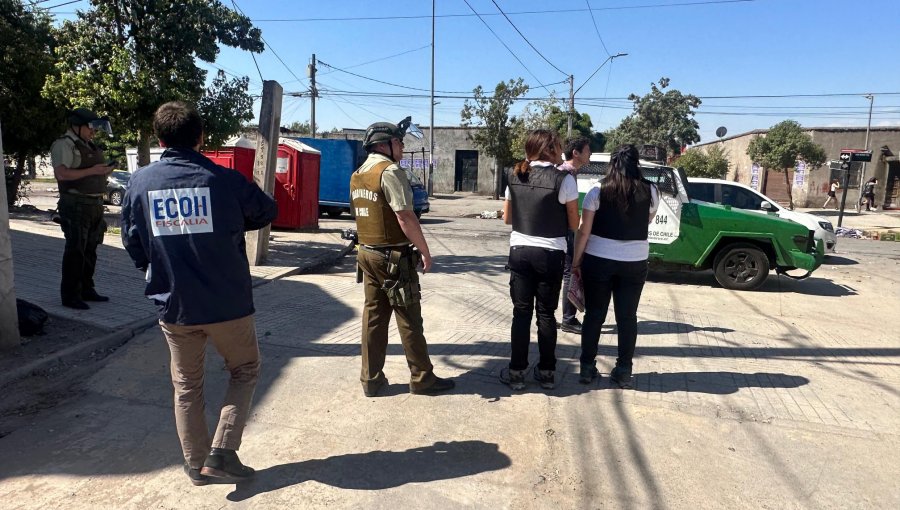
(381,469)
(716,383)
(812,286)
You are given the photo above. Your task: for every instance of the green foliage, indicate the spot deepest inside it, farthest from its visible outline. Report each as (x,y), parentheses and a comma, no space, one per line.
(660,118)
(782,147)
(712,164)
(30,122)
(224,107)
(124,58)
(492,114)
(300,127)
(550,114)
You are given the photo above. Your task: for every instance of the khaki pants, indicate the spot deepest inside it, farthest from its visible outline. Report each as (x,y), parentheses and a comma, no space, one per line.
(235,341)
(376,318)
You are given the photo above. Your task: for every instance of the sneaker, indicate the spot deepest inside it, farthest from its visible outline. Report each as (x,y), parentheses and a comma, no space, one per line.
(440,385)
(515,379)
(224,466)
(372,389)
(195,476)
(546,378)
(588,373)
(571,326)
(622,377)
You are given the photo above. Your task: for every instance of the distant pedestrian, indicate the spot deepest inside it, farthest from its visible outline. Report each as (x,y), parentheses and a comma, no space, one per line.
(80,168)
(183,222)
(611,252)
(392,246)
(869,193)
(578,156)
(832,194)
(542,207)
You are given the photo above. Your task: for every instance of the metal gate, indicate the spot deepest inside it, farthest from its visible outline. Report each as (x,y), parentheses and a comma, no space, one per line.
(466,175)
(774,187)
(892,187)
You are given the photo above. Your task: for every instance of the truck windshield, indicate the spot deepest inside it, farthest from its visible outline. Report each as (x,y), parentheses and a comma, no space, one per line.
(663,177)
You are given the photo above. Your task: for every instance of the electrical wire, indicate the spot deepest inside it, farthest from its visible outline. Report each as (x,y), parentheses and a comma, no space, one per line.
(269,46)
(383,58)
(526,39)
(507,47)
(384,82)
(597,29)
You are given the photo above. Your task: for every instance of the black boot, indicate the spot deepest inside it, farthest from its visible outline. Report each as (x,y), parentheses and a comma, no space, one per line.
(224,466)
(91,295)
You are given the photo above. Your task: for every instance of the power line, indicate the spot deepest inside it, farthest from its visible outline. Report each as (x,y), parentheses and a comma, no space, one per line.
(385,58)
(463,15)
(526,39)
(269,46)
(58,5)
(596,29)
(383,82)
(507,47)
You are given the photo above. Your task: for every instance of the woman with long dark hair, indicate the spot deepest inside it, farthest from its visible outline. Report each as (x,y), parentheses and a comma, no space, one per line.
(541,205)
(611,251)
(869,193)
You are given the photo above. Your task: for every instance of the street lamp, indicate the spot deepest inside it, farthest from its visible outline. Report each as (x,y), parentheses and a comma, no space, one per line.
(573,92)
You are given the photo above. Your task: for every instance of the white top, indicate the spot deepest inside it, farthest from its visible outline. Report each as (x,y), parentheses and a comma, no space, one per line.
(834,187)
(568,192)
(615,249)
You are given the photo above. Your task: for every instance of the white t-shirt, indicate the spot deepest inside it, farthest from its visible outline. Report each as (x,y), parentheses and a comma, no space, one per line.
(568,192)
(615,249)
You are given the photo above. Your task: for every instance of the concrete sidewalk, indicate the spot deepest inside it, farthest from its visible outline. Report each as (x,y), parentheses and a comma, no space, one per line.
(871,222)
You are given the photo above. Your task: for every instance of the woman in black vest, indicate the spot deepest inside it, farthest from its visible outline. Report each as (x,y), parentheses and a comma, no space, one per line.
(611,252)
(541,205)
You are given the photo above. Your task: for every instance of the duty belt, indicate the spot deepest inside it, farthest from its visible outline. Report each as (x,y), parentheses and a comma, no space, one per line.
(82,199)
(386,250)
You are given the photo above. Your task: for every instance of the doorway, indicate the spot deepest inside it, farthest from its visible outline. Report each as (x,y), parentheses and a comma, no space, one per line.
(892,187)
(466,175)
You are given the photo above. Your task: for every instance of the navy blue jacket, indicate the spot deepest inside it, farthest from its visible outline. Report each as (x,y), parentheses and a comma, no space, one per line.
(183,220)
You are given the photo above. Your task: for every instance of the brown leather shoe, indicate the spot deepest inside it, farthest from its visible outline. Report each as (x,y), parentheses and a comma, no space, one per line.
(224,466)
(440,385)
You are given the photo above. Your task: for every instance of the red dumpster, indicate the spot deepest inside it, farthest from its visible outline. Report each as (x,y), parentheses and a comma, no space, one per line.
(296,180)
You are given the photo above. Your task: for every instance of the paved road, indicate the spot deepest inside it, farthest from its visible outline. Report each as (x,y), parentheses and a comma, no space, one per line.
(786,397)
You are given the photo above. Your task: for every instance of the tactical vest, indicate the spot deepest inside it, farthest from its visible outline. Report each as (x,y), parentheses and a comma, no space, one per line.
(92,184)
(536,210)
(613,223)
(376,222)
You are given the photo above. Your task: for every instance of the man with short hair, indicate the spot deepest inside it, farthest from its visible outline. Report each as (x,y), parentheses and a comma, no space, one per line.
(81,170)
(578,155)
(183,222)
(388,230)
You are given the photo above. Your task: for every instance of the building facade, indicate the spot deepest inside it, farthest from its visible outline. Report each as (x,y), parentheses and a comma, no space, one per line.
(809,186)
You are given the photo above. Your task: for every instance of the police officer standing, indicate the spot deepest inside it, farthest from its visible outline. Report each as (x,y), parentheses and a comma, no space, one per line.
(80,168)
(388,230)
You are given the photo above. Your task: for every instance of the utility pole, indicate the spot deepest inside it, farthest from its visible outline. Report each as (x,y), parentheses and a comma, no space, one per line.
(862,174)
(571,104)
(264,164)
(429,174)
(313,93)
(9,320)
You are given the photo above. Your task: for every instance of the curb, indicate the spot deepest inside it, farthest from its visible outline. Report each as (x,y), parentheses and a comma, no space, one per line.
(313,265)
(108,341)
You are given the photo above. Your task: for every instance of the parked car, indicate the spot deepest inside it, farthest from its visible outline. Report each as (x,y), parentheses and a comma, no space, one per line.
(116,185)
(737,195)
(421,204)
(739,246)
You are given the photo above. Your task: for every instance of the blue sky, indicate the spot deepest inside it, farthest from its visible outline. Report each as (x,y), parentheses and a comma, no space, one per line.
(710,48)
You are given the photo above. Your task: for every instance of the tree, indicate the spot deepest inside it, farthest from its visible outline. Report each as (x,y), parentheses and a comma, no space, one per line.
(224,107)
(491,113)
(302,128)
(712,164)
(660,118)
(30,122)
(782,147)
(549,114)
(126,57)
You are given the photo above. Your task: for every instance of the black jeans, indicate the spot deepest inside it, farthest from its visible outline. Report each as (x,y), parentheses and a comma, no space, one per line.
(83,226)
(623,281)
(534,282)
(568,309)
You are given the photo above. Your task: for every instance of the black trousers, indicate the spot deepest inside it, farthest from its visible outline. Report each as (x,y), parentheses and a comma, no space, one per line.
(83,225)
(568,309)
(621,281)
(534,283)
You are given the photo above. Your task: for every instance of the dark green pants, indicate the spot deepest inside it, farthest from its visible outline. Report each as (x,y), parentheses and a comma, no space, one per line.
(376,319)
(82,223)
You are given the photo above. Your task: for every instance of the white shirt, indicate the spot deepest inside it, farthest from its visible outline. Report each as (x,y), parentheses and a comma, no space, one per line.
(568,192)
(615,249)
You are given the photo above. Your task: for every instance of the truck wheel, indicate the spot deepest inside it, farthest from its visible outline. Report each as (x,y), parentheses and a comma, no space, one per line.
(333,212)
(741,266)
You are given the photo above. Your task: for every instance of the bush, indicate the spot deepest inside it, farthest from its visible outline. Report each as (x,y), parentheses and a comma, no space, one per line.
(711,164)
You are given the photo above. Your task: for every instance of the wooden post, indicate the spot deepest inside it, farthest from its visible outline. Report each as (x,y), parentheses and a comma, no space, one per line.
(9,321)
(264,164)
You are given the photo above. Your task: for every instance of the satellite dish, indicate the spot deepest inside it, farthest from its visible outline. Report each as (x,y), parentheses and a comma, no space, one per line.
(721,131)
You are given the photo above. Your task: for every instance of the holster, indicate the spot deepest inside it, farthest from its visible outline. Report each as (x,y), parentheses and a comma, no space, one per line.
(402,285)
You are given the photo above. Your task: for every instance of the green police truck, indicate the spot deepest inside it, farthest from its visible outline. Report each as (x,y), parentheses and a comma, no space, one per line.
(740,247)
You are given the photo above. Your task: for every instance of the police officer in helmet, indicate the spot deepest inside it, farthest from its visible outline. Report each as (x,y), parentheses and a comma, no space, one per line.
(81,170)
(392,247)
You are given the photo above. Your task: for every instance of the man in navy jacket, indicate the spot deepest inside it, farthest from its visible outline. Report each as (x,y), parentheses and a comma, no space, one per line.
(183,222)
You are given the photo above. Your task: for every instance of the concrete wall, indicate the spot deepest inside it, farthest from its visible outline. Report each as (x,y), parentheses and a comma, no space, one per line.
(814,189)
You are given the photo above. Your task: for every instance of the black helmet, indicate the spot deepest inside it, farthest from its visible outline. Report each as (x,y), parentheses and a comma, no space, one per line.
(383,132)
(85,117)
